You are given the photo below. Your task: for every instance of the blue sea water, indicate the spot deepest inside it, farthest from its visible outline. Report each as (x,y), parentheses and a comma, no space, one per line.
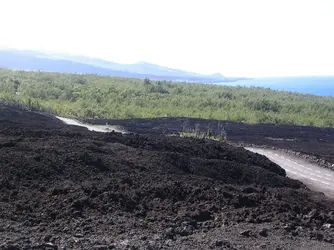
(316,85)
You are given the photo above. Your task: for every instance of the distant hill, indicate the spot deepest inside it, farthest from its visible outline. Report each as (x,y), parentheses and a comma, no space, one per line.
(34,60)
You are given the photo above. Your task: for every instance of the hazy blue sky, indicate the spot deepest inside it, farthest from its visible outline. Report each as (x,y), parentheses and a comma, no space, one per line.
(234,37)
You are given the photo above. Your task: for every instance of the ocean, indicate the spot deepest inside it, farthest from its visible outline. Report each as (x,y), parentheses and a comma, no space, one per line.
(315,85)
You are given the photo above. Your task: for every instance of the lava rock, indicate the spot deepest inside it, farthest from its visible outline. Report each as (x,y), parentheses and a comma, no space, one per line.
(246,233)
(264,232)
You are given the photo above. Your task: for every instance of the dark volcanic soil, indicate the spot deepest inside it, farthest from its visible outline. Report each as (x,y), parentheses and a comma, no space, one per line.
(63,187)
(315,144)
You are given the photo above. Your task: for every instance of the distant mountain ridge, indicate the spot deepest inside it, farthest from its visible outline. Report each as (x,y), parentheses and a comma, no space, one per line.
(44,61)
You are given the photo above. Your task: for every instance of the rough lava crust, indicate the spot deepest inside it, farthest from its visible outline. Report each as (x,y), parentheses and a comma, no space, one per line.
(64,187)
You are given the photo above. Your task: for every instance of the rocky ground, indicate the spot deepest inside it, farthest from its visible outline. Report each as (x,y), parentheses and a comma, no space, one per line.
(63,187)
(314,144)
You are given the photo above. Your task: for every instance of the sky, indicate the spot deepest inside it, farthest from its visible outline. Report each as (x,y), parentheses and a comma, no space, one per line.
(246,38)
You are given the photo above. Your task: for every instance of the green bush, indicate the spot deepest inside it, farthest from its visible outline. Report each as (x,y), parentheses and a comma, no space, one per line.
(114,97)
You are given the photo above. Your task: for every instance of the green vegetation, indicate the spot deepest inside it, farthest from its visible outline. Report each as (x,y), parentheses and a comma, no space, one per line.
(207,135)
(112,97)
(204,134)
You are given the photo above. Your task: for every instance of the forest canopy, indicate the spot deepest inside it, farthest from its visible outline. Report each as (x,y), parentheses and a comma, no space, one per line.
(93,96)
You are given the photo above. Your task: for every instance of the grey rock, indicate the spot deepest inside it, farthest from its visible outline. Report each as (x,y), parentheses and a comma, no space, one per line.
(327,225)
(187,230)
(79,235)
(264,232)
(313,214)
(169,233)
(245,233)
(47,238)
(100,247)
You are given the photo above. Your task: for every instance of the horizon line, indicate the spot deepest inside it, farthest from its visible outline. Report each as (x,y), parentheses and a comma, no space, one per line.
(169,67)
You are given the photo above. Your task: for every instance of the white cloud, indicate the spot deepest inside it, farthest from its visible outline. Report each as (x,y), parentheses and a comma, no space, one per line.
(236,38)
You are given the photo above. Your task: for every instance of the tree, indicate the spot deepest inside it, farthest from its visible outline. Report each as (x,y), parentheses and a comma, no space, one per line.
(147,81)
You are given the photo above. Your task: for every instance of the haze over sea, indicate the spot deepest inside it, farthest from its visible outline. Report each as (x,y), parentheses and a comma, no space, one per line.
(316,85)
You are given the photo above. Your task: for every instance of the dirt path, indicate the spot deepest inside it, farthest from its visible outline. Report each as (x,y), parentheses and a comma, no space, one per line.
(96,128)
(317,178)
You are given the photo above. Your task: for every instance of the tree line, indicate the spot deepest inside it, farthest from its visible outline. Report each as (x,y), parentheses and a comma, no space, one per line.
(93,96)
